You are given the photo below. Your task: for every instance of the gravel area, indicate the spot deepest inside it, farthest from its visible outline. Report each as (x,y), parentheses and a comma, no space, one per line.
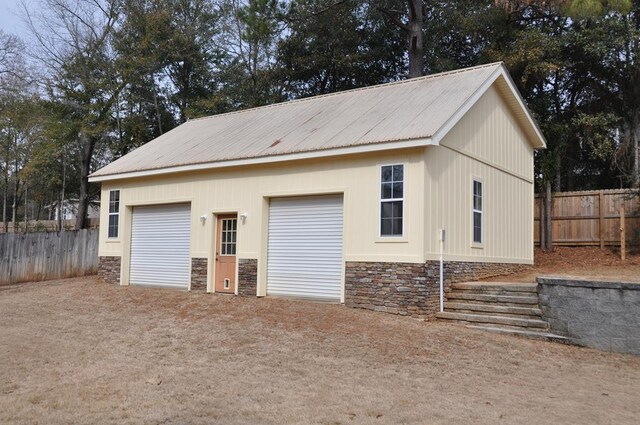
(81,351)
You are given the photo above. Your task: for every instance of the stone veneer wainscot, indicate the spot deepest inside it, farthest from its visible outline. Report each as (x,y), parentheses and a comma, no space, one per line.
(247,276)
(109,269)
(198,274)
(411,289)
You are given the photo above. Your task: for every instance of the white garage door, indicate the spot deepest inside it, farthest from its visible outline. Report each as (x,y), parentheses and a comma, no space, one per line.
(305,247)
(160,246)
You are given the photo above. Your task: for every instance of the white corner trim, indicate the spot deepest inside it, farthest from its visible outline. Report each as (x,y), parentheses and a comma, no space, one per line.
(269,159)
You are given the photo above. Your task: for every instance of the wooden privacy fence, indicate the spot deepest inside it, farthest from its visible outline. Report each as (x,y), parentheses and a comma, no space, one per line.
(48,255)
(590,217)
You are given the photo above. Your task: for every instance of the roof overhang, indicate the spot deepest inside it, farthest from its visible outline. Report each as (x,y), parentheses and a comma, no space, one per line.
(501,78)
(376,147)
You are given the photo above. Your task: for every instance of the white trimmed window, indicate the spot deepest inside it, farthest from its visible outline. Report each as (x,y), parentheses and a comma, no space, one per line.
(477,212)
(114,213)
(392,200)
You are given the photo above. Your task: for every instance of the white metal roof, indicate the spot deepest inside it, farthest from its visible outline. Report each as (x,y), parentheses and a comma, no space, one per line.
(412,112)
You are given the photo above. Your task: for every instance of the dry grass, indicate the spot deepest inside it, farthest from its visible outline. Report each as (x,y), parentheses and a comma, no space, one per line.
(80,351)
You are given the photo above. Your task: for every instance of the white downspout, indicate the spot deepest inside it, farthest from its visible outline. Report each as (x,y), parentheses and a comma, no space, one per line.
(441,237)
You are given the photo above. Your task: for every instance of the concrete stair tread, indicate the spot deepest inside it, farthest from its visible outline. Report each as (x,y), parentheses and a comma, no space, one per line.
(514,299)
(527,333)
(493,308)
(488,318)
(496,286)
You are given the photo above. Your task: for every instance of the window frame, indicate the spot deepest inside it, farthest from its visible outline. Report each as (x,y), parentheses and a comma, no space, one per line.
(117,213)
(225,245)
(402,236)
(474,211)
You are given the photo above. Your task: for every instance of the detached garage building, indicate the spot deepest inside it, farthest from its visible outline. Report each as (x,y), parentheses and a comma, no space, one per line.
(338,197)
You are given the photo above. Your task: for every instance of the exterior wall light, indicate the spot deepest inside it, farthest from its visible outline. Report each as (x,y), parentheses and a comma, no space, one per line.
(203,218)
(243,217)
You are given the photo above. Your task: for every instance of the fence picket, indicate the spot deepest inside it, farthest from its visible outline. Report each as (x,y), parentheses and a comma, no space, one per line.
(591,217)
(48,255)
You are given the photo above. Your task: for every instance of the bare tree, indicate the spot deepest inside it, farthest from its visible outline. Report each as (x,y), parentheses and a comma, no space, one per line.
(75,44)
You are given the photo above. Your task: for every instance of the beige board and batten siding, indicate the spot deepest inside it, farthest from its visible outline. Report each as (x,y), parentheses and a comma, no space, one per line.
(247,190)
(488,144)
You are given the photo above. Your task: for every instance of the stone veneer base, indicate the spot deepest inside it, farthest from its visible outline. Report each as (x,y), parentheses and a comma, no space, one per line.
(199,274)
(410,289)
(247,276)
(109,269)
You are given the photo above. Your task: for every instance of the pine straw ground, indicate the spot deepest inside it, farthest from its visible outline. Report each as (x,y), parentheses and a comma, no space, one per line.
(582,263)
(81,351)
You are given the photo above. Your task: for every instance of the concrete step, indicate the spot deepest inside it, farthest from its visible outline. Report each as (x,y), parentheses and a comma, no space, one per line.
(497,320)
(492,298)
(491,287)
(494,309)
(525,333)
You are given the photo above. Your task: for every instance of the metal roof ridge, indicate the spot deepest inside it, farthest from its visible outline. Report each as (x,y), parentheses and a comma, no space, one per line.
(377,86)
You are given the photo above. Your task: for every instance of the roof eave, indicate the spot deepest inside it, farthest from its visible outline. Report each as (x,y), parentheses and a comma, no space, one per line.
(533,130)
(375,147)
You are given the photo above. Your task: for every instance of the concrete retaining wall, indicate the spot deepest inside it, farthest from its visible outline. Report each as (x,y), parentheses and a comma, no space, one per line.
(602,315)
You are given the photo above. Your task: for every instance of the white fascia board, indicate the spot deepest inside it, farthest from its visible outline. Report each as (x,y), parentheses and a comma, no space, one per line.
(530,120)
(268,159)
(461,112)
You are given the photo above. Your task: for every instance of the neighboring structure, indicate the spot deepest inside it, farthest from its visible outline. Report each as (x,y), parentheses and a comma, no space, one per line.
(70,210)
(338,197)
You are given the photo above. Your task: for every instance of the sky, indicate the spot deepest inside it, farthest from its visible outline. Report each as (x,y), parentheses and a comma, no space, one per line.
(10,22)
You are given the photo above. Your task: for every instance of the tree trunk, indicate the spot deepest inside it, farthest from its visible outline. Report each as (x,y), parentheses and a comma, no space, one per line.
(5,196)
(14,205)
(64,181)
(635,146)
(88,144)
(548,229)
(543,224)
(415,39)
(413,31)
(26,205)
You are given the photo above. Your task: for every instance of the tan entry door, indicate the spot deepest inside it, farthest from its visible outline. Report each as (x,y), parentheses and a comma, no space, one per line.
(225,273)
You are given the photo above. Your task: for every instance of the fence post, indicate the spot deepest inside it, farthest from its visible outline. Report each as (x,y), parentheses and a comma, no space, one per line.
(601,221)
(548,224)
(623,239)
(542,225)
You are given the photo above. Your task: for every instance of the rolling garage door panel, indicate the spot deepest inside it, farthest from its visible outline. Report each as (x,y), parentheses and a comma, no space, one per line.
(305,247)
(160,253)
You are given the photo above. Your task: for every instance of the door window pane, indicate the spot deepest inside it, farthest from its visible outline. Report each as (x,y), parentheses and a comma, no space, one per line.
(228,236)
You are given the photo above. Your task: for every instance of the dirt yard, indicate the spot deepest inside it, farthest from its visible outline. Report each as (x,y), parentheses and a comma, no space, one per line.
(80,351)
(584,263)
